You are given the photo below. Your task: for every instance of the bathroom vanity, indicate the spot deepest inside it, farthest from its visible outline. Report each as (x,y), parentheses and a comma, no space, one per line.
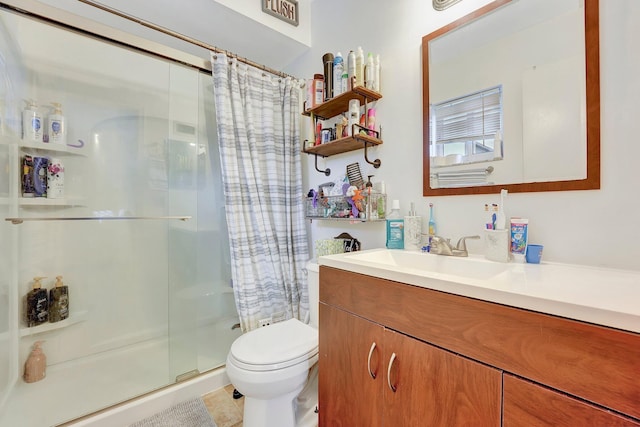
(413,339)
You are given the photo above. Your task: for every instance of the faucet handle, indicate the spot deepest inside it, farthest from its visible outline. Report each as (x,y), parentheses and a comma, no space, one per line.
(462,243)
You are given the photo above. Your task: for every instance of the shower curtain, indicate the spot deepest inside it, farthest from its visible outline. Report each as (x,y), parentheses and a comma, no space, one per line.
(259,135)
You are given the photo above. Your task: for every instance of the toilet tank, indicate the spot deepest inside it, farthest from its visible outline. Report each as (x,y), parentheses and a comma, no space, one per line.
(313,281)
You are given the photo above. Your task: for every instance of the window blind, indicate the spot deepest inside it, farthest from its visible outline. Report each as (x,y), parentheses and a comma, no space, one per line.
(473,117)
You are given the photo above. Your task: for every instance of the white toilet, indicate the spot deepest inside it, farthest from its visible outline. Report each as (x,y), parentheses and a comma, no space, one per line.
(272,365)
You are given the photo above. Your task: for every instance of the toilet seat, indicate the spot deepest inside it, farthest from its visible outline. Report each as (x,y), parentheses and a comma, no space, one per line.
(274,347)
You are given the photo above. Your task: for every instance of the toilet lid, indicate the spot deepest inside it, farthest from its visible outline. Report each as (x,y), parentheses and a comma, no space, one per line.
(276,346)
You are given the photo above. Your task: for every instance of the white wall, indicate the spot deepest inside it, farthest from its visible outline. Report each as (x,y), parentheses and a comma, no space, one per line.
(596,227)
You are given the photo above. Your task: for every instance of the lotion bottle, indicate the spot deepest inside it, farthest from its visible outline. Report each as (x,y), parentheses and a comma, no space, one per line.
(56,127)
(31,123)
(35,368)
(37,304)
(58,301)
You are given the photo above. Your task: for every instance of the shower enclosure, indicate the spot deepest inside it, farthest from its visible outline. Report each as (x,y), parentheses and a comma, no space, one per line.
(139,237)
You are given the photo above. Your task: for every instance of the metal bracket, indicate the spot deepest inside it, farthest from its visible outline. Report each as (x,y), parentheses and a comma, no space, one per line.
(327,171)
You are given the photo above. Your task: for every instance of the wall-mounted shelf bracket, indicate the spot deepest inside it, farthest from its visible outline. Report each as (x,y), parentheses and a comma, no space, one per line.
(376,163)
(327,171)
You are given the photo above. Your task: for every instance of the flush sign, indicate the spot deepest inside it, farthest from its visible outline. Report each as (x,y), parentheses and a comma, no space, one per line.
(287,10)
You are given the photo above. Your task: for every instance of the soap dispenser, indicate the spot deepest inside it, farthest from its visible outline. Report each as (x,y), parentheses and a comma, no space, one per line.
(35,368)
(37,304)
(58,301)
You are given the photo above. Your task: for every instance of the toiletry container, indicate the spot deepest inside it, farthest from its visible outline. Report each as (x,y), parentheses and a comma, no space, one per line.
(28,189)
(56,128)
(55,179)
(354,115)
(369,72)
(327,61)
(35,368)
(395,227)
(371,121)
(40,165)
(376,74)
(359,67)
(37,304)
(318,90)
(351,69)
(31,123)
(58,301)
(338,69)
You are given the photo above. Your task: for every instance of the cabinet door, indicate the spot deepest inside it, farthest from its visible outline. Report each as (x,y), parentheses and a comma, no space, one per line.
(527,404)
(434,387)
(348,395)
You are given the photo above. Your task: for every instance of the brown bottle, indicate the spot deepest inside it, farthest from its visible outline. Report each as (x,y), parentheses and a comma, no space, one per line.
(58,301)
(37,304)
(35,368)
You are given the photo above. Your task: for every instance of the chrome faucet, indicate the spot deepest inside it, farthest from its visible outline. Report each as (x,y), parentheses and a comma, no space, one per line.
(442,246)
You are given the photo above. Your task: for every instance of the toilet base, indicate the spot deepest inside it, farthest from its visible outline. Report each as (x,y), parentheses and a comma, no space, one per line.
(272,412)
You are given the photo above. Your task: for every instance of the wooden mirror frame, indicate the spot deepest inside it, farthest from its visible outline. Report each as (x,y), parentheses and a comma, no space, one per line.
(592,68)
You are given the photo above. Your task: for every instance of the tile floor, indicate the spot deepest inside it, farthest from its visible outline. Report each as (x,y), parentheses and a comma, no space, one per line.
(224,409)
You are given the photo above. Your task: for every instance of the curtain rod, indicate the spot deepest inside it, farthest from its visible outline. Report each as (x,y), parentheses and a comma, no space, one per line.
(182,37)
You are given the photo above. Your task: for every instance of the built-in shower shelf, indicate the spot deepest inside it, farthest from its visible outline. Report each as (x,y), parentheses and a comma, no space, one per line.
(54,148)
(43,201)
(74,318)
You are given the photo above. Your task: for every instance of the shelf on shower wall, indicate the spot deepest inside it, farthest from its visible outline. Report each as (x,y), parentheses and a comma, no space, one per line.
(43,201)
(73,318)
(53,148)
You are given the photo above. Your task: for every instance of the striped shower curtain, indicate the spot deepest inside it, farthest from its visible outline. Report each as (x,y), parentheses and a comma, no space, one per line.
(258,119)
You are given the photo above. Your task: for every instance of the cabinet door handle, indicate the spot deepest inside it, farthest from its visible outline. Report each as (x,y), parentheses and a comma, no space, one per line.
(373,374)
(391,386)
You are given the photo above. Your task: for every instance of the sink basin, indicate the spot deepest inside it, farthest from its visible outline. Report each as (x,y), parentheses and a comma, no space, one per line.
(468,267)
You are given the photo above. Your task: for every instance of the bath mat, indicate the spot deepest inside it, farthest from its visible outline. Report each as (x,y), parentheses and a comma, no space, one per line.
(190,413)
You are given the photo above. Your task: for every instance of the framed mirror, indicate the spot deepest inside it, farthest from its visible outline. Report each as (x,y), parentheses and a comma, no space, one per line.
(541,132)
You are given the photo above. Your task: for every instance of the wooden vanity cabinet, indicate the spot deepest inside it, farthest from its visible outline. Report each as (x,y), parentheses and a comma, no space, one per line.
(371,376)
(528,404)
(453,355)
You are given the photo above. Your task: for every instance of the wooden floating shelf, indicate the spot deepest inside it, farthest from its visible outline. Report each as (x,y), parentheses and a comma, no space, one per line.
(340,103)
(343,145)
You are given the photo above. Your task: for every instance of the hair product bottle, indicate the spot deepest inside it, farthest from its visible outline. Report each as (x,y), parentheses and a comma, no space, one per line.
(327,60)
(351,69)
(359,66)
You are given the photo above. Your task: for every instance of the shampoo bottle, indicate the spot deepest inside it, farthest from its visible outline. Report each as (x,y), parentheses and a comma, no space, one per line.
(35,368)
(56,126)
(55,179)
(37,304)
(31,123)
(58,301)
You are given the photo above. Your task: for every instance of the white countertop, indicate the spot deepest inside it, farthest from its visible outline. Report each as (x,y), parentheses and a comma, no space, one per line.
(602,296)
